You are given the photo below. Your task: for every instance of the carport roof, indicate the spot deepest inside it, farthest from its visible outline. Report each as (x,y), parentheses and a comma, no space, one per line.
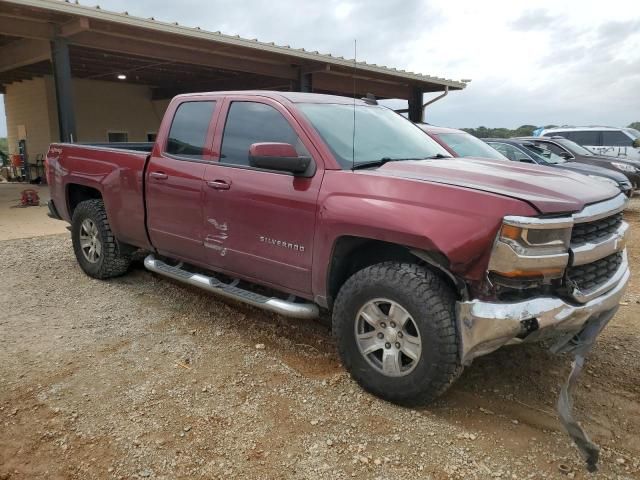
(92,30)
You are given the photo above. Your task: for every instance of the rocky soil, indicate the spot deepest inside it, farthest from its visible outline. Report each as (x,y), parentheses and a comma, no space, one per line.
(140,377)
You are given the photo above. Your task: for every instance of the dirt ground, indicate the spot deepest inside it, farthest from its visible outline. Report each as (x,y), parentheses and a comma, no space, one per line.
(25,222)
(140,377)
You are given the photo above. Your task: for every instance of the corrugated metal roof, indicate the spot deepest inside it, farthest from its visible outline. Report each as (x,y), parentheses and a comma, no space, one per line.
(75,9)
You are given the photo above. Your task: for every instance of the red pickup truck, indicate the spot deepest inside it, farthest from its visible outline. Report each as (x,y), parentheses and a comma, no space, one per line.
(298,202)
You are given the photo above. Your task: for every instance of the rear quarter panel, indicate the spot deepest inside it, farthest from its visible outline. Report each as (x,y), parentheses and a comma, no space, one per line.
(116,174)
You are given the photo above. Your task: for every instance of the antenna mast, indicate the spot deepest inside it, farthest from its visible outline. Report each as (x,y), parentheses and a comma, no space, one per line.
(353,139)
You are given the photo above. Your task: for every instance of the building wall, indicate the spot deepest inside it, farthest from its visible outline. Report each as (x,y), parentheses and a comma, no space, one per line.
(26,103)
(99,106)
(111,106)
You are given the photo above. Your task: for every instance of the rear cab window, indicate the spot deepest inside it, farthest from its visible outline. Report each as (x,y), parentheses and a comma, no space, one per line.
(189,130)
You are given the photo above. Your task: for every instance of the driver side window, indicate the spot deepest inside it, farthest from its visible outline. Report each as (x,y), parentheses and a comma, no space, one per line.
(252,122)
(554,149)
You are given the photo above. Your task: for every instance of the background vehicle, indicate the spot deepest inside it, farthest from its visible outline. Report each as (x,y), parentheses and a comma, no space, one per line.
(461,144)
(572,152)
(425,262)
(527,152)
(612,141)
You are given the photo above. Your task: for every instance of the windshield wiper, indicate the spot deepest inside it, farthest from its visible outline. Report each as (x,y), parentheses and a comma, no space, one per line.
(377,163)
(382,161)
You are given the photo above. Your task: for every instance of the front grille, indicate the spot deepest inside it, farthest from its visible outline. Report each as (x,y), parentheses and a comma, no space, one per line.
(595,231)
(592,275)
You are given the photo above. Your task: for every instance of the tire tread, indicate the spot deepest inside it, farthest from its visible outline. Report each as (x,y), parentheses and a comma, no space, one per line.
(419,282)
(114,263)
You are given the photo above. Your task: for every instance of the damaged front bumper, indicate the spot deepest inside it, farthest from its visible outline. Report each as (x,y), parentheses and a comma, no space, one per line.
(487,326)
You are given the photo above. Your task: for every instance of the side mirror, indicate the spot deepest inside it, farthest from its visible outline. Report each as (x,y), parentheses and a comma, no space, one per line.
(636,143)
(281,157)
(566,155)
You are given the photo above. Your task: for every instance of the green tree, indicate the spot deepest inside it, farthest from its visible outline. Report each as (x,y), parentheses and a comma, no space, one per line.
(635,125)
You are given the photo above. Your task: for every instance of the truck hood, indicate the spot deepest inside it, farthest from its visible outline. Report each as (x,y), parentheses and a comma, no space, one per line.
(548,189)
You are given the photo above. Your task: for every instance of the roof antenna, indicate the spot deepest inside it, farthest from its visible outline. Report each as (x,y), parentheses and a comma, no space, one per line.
(353,138)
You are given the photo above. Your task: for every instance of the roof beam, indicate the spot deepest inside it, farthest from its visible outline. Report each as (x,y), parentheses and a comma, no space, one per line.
(204,57)
(75,26)
(345,85)
(23,52)
(20,27)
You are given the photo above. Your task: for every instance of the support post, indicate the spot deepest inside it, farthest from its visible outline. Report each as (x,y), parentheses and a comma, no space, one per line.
(415,105)
(64,89)
(306,82)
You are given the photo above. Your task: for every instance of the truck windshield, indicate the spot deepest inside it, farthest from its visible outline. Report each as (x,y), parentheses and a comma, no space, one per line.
(466,145)
(380,134)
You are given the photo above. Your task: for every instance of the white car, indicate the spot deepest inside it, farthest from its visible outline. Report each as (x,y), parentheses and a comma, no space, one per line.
(612,141)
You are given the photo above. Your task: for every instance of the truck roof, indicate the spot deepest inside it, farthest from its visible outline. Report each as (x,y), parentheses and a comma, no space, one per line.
(436,129)
(294,97)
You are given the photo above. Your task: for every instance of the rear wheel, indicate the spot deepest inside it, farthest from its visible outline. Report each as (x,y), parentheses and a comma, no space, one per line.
(395,324)
(95,246)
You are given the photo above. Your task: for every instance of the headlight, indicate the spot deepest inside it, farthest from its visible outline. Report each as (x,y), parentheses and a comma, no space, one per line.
(535,241)
(604,180)
(625,167)
(531,248)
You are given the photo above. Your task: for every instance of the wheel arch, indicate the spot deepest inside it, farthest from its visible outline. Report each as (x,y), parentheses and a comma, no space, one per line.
(77,192)
(351,254)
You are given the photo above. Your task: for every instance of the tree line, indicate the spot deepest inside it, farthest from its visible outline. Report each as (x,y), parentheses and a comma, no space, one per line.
(522,131)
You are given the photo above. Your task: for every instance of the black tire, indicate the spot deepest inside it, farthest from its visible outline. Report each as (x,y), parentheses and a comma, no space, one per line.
(111,262)
(430,302)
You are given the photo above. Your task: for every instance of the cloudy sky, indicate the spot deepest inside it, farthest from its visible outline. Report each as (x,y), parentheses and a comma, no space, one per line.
(531,62)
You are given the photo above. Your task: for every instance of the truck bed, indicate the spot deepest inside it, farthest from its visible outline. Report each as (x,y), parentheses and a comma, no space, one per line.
(116,169)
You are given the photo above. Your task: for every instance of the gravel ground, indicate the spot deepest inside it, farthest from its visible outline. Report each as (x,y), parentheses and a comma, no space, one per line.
(140,377)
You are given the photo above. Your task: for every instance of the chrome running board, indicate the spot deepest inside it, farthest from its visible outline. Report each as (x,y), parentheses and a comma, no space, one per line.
(230,290)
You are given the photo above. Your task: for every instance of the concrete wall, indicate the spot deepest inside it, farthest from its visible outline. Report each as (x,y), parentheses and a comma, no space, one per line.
(27,103)
(99,106)
(110,106)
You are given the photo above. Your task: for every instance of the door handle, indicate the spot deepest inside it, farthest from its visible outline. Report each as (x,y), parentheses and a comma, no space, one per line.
(159,175)
(219,184)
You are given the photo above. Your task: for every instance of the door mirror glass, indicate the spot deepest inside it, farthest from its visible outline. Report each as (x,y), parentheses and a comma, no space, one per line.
(278,156)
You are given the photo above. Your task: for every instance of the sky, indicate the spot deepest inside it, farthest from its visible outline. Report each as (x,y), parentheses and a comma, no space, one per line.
(544,62)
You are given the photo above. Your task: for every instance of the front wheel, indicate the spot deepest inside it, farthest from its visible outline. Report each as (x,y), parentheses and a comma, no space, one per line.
(396,330)
(94,244)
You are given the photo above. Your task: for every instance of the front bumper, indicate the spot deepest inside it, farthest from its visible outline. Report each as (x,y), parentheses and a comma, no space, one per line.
(487,326)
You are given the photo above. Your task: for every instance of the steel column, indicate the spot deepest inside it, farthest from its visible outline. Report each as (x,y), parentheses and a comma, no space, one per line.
(415,105)
(64,89)
(306,82)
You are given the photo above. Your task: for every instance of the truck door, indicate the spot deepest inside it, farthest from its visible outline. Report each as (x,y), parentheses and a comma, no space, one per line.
(174,179)
(259,224)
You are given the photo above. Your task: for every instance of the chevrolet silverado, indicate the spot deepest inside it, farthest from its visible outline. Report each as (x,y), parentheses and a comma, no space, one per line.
(297,203)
